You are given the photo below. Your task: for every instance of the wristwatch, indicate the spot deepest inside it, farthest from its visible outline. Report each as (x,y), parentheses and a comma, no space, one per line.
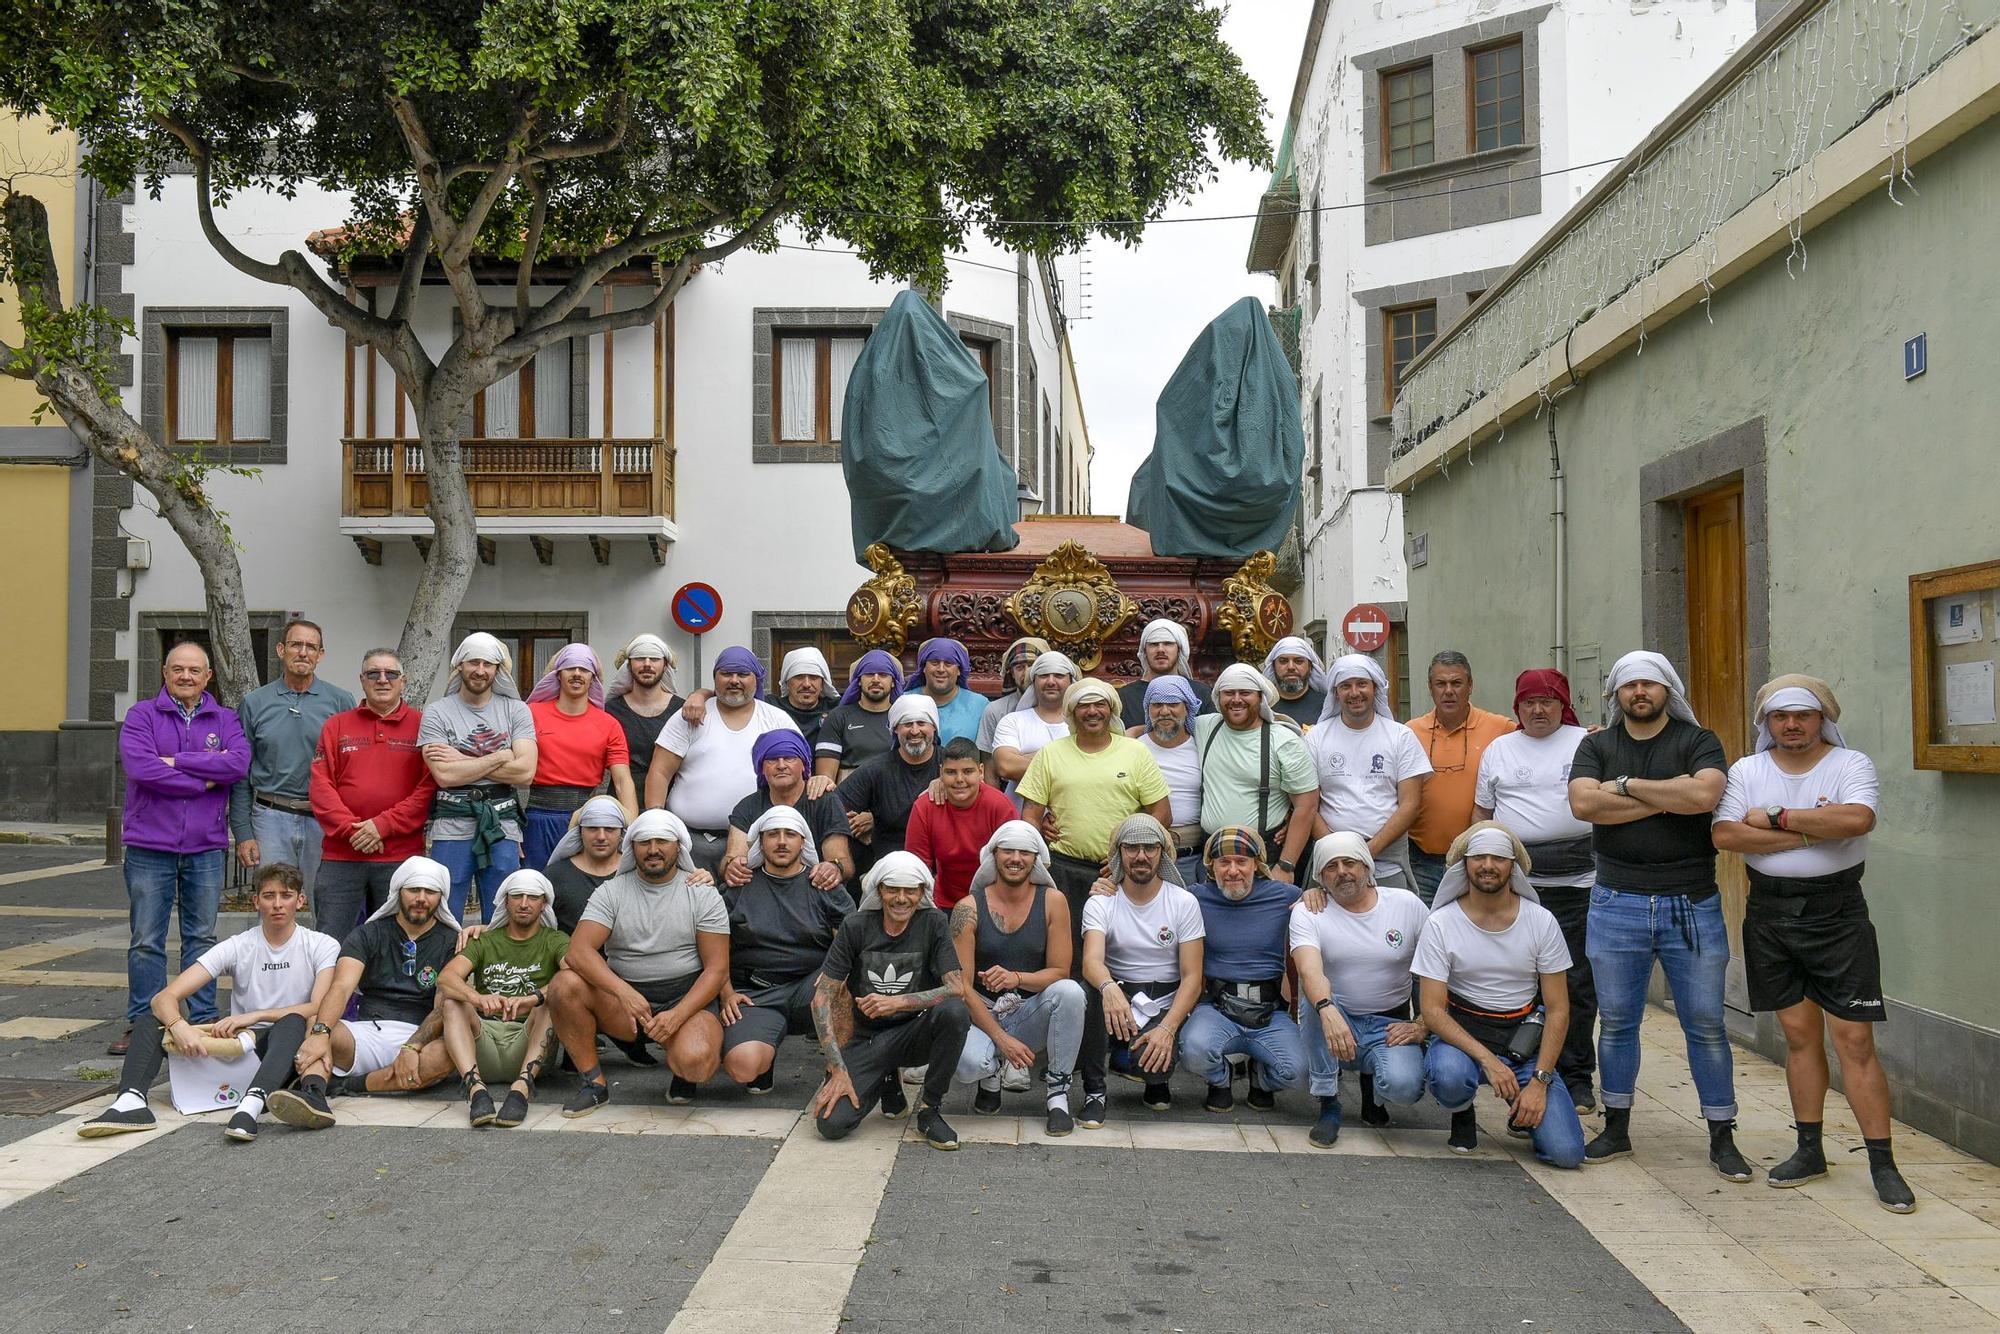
(1776,815)
(1326,1004)
(1545,1077)
(1287,867)
(319,1029)
(1623,783)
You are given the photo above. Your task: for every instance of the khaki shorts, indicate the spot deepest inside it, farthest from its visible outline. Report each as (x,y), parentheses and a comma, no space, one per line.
(502,1048)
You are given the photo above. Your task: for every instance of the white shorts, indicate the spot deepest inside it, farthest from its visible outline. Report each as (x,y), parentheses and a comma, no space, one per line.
(376,1042)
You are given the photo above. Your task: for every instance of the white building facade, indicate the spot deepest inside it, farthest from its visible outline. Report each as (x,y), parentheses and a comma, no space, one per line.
(1428,146)
(614,470)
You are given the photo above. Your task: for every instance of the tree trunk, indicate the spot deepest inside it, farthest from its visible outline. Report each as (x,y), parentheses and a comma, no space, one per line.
(426,645)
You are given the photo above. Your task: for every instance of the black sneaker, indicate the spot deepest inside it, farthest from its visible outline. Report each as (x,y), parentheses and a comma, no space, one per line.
(1060,1122)
(1120,1063)
(1464,1137)
(1728,1162)
(895,1103)
(1891,1191)
(1373,1113)
(680,1092)
(986,1100)
(1158,1097)
(1804,1165)
(1260,1100)
(242,1128)
(1326,1130)
(1584,1097)
(108,1122)
(763,1083)
(590,1095)
(303,1107)
(1220,1098)
(1091,1115)
(636,1051)
(513,1111)
(937,1131)
(1614,1141)
(479,1106)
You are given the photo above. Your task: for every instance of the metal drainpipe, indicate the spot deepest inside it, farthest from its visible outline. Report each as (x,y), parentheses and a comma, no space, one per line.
(1559,522)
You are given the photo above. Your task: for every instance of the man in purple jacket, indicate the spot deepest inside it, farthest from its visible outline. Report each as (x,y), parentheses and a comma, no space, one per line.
(182,753)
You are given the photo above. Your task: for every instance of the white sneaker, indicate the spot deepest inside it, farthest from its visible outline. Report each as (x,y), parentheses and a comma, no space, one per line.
(915,1074)
(1014,1078)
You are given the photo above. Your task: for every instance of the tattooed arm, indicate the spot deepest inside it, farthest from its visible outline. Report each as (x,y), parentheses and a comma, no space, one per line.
(826,1023)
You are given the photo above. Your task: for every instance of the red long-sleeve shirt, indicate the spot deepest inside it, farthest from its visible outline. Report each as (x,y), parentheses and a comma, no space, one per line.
(371,768)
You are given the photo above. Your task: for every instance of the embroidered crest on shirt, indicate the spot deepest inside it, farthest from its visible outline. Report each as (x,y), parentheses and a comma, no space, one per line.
(1166,935)
(1394,937)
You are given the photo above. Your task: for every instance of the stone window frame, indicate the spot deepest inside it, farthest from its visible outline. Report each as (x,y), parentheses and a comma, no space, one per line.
(768,321)
(159,321)
(1459,187)
(147,655)
(576,624)
(1453,295)
(763,623)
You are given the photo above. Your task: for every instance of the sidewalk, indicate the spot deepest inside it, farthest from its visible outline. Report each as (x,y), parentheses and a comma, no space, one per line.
(28,831)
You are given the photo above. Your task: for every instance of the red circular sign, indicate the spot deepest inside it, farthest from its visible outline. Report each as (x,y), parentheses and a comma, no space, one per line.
(697,608)
(1365,627)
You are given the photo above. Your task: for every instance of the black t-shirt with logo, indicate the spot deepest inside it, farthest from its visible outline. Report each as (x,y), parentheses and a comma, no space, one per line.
(853,735)
(387,990)
(1664,853)
(873,962)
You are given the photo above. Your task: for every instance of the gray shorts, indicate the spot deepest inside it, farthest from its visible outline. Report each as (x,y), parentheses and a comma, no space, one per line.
(774,1012)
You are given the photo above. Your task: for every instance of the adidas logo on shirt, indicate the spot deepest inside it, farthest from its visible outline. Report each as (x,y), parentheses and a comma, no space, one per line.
(891,982)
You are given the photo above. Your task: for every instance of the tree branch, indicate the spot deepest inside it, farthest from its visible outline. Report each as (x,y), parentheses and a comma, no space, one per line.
(608,142)
(593,269)
(415,251)
(432,178)
(531,244)
(458,250)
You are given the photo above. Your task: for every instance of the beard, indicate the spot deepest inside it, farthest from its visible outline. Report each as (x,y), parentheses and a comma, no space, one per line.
(1165,730)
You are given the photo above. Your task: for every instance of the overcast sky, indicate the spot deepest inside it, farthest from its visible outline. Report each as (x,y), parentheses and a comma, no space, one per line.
(1145,306)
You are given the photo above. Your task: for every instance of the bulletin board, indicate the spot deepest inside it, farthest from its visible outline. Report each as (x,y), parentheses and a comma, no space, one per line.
(1955,668)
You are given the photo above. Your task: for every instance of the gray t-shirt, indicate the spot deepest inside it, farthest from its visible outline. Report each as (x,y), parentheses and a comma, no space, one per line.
(653,926)
(493,726)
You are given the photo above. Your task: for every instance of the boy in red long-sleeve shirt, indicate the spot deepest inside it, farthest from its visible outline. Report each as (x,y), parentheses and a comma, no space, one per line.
(949,835)
(371,793)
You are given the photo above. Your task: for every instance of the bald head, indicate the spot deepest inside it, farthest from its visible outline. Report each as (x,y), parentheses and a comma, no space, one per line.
(186,672)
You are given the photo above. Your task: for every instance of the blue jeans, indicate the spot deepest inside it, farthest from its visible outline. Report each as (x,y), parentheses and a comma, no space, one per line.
(540,832)
(1049,1021)
(1209,1039)
(455,854)
(1455,1081)
(1398,1072)
(1428,869)
(1626,934)
(285,837)
(155,882)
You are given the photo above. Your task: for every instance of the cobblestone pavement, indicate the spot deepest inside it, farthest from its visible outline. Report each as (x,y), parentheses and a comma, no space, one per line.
(732,1214)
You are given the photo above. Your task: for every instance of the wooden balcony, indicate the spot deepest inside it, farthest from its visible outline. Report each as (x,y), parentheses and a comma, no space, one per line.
(543,489)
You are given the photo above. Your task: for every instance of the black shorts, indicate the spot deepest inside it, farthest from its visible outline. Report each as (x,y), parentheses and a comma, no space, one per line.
(776,1012)
(1819,948)
(665,993)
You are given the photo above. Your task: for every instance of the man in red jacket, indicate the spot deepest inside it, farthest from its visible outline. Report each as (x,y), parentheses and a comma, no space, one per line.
(950,836)
(371,793)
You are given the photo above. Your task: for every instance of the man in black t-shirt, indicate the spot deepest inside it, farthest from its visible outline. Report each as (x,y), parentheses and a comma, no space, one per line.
(642,699)
(805,691)
(783,760)
(879,794)
(895,959)
(858,729)
(392,960)
(1647,784)
(585,857)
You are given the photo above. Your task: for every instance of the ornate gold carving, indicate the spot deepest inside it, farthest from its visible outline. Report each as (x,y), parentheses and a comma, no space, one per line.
(1255,614)
(1072,601)
(882,611)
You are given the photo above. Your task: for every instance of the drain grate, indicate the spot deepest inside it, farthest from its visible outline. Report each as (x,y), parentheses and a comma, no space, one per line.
(39,1097)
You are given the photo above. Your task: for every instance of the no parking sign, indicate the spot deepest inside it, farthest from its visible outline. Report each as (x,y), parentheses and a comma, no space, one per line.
(697,608)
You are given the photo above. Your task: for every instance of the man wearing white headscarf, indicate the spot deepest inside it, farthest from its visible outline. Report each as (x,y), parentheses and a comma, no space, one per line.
(781,921)
(1800,808)
(1492,975)
(1293,665)
(641,697)
(1255,769)
(1038,720)
(893,960)
(879,794)
(1371,768)
(1647,784)
(647,960)
(1168,736)
(806,690)
(1163,651)
(1020,655)
(498,1026)
(392,961)
(1012,935)
(586,857)
(479,741)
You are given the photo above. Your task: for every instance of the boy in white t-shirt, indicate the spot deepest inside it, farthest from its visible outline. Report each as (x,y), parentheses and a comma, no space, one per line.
(1490,970)
(1142,967)
(277,975)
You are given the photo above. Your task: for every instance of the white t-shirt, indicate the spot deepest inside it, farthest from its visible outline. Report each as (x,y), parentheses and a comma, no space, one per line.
(1494,970)
(262,978)
(1359,770)
(716,772)
(1143,942)
(1026,731)
(1181,766)
(1843,777)
(1525,783)
(1366,954)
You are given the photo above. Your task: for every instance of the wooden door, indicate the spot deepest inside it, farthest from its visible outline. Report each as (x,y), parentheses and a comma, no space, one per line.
(1718,664)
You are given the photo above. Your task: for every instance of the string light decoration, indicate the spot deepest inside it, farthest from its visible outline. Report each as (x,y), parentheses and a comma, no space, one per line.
(1838,67)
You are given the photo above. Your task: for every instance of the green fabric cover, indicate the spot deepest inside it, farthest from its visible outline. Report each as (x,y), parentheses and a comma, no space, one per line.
(923,470)
(1223,477)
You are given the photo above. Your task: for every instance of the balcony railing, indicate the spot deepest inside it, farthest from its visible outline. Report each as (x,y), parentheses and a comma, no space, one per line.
(388,478)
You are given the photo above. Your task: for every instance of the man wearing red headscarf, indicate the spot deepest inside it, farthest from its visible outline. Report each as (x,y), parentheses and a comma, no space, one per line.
(1524,784)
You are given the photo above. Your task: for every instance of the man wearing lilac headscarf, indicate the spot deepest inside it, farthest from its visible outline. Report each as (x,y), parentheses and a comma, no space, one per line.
(945,669)
(782,761)
(858,728)
(579,746)
(701,771)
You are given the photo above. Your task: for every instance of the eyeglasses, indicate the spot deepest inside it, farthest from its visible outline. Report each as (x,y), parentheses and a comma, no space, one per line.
(381,674)
(296,647)
(409,958)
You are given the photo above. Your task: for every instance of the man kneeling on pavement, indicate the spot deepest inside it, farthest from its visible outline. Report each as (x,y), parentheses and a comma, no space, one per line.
(1492,967)
(498,1026)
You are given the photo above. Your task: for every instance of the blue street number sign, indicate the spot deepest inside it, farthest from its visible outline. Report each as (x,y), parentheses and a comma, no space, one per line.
(1916,356)
(697,608)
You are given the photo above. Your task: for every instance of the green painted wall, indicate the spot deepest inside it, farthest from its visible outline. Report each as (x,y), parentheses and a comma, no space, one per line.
(1870,480)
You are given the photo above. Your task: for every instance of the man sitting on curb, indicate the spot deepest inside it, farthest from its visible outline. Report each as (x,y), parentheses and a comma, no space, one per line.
(1492,963)
(392,960)
(278,975)
(497,1024)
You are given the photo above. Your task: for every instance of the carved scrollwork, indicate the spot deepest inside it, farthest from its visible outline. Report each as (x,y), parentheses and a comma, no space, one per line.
(1072,601)
(1255,614)
(882,612)
(972,616)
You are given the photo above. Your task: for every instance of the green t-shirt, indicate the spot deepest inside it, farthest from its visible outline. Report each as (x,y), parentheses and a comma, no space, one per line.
(1230,764)
(504,966)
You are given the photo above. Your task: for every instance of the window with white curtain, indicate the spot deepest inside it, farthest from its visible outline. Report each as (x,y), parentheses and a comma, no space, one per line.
(809,384)
(552,392)
(219,384)
(503,409)
(841,365)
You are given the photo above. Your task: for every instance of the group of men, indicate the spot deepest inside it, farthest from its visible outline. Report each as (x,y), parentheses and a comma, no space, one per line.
(1271,881)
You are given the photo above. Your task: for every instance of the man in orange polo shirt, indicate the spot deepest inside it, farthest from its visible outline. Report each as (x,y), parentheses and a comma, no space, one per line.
(1454,735)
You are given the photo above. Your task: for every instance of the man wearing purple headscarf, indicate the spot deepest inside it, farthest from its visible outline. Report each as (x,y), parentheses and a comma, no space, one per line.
(858,728)
(579,745)
(781,760)
(701,772)
(946,667)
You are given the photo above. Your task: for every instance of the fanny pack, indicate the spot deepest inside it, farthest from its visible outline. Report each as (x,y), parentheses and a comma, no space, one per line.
(1516,1034)
(1561,857)
(1248,1004)
(1806,895)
